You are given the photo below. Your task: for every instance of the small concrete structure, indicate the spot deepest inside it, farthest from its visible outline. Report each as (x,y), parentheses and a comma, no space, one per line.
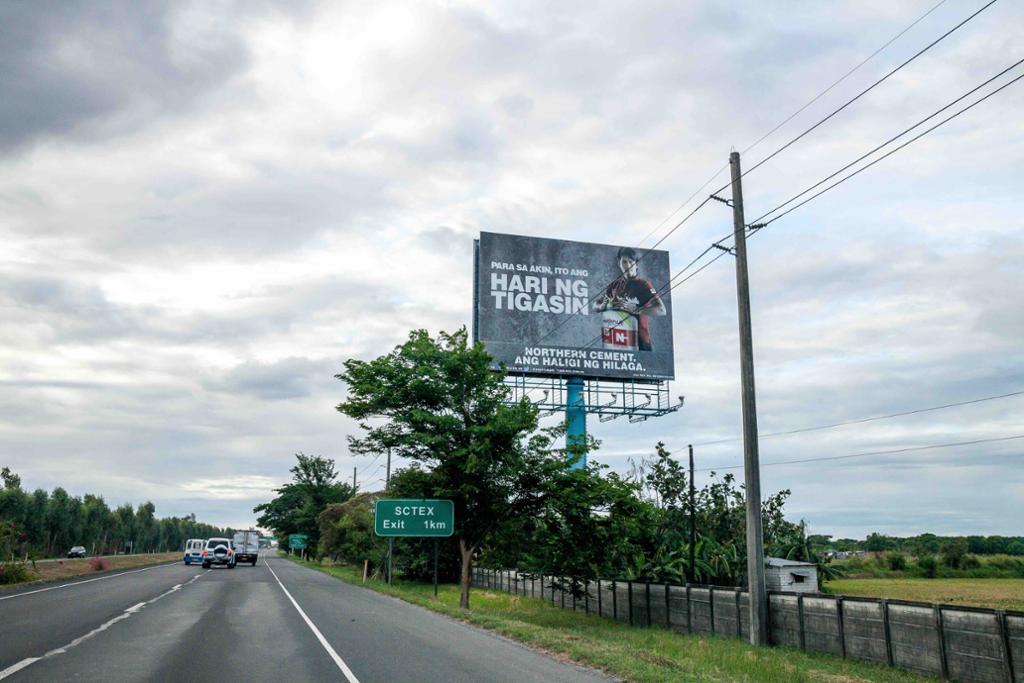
(790,575)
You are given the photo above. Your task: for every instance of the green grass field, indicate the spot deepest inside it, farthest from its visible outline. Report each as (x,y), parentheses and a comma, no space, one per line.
(633,654)
(994,593)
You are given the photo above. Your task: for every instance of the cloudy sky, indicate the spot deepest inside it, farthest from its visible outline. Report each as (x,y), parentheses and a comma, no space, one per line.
(206,207)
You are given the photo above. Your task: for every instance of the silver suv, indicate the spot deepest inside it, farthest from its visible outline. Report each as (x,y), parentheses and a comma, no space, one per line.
(219,551)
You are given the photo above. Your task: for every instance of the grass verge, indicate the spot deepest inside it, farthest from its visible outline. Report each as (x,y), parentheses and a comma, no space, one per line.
(69,569)
(642,655)
(993,593)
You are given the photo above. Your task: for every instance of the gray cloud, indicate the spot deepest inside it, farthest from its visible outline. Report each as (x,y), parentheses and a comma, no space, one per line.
(285,379)
(88,71)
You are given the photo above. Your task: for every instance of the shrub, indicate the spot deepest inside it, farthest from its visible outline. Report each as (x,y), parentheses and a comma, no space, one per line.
(928,566)
(13,572)
(855,563)
(954,552)
(98,564)
(896,561)
(970,562)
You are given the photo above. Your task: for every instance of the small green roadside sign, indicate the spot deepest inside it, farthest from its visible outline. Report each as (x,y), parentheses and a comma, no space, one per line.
(298,541)
(414,517)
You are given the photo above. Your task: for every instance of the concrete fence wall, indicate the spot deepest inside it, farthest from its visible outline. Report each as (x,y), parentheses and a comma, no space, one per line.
(959,643)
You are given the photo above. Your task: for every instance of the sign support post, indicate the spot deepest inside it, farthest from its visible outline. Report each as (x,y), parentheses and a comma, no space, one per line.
(576,420)
(435,567)
(391,541)
(751,460)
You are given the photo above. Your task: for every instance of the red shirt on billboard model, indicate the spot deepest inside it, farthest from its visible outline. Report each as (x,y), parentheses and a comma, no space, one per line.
(634,299)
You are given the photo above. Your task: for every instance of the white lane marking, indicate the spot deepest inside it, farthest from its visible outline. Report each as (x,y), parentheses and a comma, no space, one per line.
(319,636)
(79,583)
(15,668)
(134,609)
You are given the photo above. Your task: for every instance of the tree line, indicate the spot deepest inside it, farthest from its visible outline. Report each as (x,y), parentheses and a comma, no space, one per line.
(925,544)
(41,524)
(519,500)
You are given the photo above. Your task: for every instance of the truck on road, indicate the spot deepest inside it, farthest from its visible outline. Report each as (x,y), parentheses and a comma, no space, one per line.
(247,546)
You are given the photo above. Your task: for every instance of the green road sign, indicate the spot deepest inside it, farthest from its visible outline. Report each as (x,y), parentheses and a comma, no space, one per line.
(298,541)
(414,517)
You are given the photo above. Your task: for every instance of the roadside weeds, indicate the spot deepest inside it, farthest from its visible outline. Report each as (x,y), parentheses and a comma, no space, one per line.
(51,572)
(644,655)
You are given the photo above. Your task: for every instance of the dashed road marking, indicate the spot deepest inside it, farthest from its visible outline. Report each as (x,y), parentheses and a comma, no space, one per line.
(134,609)
(79,583)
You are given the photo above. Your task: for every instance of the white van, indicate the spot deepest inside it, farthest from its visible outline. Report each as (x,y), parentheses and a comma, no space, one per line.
(194,550)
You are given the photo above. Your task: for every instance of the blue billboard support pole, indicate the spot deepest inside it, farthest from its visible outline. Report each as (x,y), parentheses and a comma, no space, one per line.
(576,418)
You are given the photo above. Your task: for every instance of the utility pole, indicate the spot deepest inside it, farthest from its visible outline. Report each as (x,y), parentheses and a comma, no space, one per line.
(353,479)
(751,464)
(693,523)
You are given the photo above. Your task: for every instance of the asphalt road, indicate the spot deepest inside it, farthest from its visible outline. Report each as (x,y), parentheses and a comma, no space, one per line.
(273,622)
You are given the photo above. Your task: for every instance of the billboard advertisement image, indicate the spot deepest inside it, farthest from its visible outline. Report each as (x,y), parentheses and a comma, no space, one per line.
(555,307)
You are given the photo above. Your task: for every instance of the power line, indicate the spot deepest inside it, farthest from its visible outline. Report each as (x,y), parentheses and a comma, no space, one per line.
(843,78)
(946,120)
(887,142)
(792,116)
(869,453)
(862,92)
(862,420)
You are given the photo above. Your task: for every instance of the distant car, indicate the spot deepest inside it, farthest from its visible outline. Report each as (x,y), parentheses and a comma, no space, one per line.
(194,550)
(77,551)
(219,551)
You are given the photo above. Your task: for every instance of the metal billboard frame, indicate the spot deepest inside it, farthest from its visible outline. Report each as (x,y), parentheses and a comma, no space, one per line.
(609,399)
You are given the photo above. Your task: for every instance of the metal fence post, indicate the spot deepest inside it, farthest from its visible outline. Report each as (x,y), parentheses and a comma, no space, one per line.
(739,620)
(615,602)
(561,591)
(668,607)
(711,606)
(940,629)
(599,610)
(647,598)
(1004,632)
(842,627)
(800,618)
(689,611)
(888,636)
(629,600)
(586,595)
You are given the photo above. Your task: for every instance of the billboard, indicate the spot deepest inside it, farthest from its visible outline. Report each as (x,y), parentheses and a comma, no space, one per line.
(555,307)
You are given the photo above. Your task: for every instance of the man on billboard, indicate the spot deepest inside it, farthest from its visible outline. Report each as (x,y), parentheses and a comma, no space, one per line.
(627,304)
